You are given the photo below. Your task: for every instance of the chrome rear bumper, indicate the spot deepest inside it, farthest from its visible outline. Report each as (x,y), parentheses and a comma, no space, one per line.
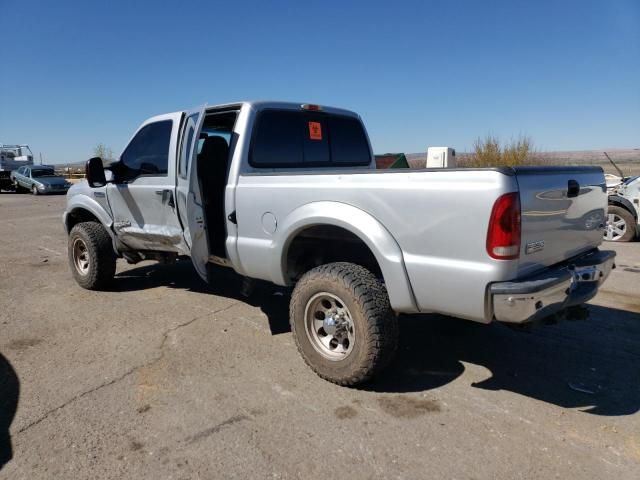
(556,288)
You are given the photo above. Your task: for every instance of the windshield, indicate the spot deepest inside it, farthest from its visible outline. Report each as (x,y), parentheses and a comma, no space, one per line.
(44,172)
(16,151)
(24,150)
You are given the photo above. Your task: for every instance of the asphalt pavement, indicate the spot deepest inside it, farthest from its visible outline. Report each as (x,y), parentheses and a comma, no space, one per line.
(166,377)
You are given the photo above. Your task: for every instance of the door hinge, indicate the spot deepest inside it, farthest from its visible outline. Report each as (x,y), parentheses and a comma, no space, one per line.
(232,218)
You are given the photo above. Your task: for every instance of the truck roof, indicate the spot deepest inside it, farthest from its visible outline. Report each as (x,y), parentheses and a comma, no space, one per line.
(262,104)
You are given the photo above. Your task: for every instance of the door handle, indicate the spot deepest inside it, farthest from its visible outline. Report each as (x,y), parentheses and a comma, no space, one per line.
(167,196)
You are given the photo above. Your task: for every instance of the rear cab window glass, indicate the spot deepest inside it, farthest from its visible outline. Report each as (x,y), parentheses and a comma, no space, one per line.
(349,143)
(315,141)
(278,140)
(286,138)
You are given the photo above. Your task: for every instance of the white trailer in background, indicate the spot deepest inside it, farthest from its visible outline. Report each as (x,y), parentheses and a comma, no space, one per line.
(441,157)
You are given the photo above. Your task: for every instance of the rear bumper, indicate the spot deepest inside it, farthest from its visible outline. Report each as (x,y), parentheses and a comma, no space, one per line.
(556,288)
(5,181)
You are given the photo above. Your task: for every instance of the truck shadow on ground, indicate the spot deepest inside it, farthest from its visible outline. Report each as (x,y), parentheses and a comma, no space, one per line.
(272,299)
(592,363)
(9,394)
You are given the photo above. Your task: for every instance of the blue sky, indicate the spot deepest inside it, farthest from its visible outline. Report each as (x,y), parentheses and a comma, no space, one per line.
(565,72)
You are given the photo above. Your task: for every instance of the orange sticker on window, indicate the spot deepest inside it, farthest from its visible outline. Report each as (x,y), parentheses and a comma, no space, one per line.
(315,131)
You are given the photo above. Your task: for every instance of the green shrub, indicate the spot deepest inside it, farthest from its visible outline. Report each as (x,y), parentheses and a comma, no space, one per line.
(489,152)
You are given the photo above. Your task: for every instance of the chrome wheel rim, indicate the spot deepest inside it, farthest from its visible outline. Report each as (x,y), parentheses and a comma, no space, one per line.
(80,256)
(329,326)
(616,227)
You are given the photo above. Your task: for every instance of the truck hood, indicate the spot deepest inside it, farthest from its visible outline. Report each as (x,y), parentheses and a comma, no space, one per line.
(50,180)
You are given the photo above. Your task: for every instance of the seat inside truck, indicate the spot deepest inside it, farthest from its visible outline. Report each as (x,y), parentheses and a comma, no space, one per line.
(213,162)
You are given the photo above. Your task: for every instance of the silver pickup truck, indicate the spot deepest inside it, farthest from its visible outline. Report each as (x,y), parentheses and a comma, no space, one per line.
(289,193)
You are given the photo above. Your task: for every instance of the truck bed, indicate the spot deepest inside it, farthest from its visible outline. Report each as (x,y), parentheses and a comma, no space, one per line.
(439,219)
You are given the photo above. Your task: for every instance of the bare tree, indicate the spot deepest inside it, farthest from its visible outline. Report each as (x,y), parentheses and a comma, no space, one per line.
(104,152)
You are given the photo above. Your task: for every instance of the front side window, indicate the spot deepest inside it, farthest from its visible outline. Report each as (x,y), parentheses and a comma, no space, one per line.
(148,152)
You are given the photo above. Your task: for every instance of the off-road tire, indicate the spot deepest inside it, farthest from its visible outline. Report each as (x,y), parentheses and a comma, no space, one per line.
(101,257)
(375,324)
(624,214)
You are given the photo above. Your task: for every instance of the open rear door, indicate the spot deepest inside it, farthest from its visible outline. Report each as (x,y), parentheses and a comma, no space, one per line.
(188,192)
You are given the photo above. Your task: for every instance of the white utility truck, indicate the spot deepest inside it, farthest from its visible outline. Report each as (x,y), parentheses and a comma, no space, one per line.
(12,157)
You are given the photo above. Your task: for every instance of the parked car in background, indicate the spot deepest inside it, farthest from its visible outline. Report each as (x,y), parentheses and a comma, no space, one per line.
(39,179)
(623,215)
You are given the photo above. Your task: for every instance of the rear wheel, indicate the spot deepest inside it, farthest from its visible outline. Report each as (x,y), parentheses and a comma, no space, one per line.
(91,256)
(342,323)
(621,226)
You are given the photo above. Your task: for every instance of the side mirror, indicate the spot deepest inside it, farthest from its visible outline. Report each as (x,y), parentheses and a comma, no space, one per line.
(95,173)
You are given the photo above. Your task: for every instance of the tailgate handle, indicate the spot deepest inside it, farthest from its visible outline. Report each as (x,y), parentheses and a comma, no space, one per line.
(573,189)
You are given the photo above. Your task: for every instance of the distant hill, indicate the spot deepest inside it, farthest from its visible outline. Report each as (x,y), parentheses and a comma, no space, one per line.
(627,159)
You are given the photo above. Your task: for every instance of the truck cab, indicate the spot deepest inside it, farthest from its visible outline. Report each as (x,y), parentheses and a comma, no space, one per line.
(172,191)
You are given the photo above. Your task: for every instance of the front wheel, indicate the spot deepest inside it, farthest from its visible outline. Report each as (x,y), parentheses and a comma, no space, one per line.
(342,323)
(621,226)
(34,190)
(91,256)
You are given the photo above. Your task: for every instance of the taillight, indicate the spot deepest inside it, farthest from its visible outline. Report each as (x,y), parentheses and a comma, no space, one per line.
(503,237)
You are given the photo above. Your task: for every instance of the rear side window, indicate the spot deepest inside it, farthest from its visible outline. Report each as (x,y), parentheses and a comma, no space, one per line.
(285,138)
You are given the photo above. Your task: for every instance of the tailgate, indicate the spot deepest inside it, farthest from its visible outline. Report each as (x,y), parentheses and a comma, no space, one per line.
(563,213)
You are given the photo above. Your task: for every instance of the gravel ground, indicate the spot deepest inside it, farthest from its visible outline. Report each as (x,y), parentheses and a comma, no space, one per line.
(165,377)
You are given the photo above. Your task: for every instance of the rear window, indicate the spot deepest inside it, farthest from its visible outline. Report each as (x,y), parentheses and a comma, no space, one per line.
(348,141)
(306,139)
